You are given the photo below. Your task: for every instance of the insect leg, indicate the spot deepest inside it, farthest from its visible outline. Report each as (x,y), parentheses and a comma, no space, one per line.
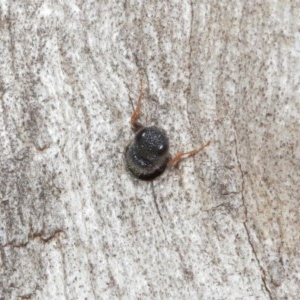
(181,155)
(134,124)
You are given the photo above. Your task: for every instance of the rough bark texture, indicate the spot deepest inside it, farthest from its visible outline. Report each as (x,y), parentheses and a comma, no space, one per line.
(74,224)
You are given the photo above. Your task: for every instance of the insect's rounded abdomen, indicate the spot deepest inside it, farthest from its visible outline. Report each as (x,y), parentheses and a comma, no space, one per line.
(147,155)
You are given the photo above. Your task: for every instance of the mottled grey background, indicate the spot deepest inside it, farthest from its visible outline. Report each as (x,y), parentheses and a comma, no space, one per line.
(74,224)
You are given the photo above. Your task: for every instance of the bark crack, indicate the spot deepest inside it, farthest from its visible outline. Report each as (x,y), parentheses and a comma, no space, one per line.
(26,297)
(155,202)
(262,270)
(32,236)
(157,208)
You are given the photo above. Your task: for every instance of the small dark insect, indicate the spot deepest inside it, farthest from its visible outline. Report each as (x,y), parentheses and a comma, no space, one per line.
(147,156)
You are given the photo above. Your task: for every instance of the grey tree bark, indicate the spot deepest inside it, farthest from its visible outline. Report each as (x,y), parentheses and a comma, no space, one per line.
(74,224)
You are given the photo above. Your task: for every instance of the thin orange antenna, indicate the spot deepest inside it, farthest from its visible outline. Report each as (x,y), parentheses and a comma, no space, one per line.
(181,155)
(135,125)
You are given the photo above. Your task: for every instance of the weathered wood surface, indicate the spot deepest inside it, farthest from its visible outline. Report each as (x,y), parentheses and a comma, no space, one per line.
(74,224)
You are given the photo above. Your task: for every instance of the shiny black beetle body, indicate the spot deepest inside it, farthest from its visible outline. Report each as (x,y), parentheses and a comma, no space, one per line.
(147,155)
